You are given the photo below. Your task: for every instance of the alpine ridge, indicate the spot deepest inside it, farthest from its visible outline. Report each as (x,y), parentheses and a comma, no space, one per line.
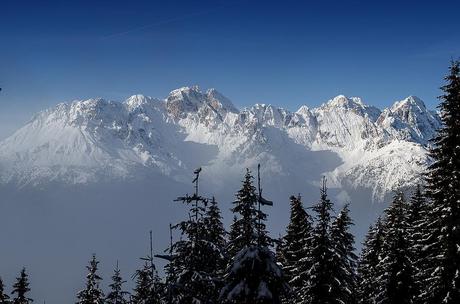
(92,140)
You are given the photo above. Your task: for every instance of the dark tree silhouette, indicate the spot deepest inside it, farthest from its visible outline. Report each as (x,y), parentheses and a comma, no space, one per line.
(92,294)
(3,296)
(395,271)
(344,289)
(253,276)
(21,288)
(294,250)
(441,277)
(117,295)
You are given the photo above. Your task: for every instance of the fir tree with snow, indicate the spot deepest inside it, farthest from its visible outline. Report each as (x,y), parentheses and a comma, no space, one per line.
(215,228)
(3,296)
(92,294)
(197,276)
(416,208)
(367,266)
(416,212)
(21,288)
(216,237)
(234,237)
(294,249)
(321,272)
(117,295)
(253,276)
(244,227)
(146,290)
(395,271)
(344,289)
(441,277)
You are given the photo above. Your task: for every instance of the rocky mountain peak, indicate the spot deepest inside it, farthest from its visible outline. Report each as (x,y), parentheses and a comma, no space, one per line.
(353,104)
(186,100)
(409,119)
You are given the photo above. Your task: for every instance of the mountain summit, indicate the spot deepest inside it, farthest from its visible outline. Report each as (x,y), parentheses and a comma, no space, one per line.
(92,140)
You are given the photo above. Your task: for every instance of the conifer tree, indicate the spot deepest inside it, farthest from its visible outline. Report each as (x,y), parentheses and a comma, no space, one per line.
(245,205)
(416,208)
(367,266)
(142,290)
(293,250)
(146,289)
(234,238)
(21,288)
(441,276)
(322,253)
(344,288)
(416,212)
(395,271)
(253,276)
(117,295)
(213,222)
(195,279)
(149,289)
(216,236)
(3,296)
(92,294)
(170,287)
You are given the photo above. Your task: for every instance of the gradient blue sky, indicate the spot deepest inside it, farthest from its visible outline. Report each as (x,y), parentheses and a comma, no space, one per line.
(286,53)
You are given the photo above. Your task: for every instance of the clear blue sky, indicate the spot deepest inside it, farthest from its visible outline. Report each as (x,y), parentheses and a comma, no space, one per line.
(286,53)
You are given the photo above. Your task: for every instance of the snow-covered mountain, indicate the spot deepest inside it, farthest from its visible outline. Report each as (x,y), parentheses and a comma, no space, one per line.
(98,140)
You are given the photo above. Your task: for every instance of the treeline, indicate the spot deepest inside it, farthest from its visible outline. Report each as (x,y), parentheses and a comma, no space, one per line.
(410,255)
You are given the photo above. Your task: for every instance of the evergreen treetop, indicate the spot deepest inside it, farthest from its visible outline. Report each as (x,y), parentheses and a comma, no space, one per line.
(322,254)
(3,296)
(196,258)
(117,295)
(253,276)
(92,294)
(368,261)
(395,271)
(246,207)
(145,291)
(294,247)
(344,290)
(21,288)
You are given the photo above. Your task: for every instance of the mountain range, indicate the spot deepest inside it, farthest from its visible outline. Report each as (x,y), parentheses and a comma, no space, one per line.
(353,144)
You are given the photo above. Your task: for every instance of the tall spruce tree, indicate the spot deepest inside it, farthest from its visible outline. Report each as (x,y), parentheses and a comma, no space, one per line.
(321,272)
(3,296)
(294,250)
(195,281)
(117,294)
(344,288)
(253,276)
(442,262)
(92,294)
(21,288)
(244,227)
(395,271)
(367,267)
(216,236)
